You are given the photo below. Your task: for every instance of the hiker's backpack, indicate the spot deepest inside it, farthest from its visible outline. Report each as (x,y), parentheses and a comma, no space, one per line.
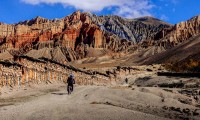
(70,80)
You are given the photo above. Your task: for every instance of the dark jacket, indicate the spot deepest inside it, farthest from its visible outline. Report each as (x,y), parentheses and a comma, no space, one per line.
(70,81)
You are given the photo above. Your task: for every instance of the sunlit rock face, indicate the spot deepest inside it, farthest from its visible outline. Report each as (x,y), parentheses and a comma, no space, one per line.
(86,25)
(179,33)
(184,30)
(75,33)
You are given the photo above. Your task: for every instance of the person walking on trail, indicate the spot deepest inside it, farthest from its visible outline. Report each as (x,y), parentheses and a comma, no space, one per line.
(126,80)
(70,83)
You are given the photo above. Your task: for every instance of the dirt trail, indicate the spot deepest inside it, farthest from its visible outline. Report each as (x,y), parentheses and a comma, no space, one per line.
(86,103)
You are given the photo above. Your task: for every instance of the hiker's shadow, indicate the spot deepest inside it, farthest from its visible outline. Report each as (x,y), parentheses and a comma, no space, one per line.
(59,93)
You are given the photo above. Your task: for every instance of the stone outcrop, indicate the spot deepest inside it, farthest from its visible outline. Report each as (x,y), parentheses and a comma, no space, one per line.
(77,32)
(136,30)
(27,71)
(179,33)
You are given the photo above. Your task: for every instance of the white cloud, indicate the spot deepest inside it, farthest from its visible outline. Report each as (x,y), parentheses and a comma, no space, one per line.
(125,8)
(164,17)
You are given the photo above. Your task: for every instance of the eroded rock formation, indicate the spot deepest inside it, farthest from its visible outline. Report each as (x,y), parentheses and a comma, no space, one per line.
(27,71)
(77,32)
(180,32)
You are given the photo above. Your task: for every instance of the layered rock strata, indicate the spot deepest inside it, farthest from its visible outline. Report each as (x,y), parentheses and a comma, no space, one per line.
(27,71)
(73,35)
(77,32)
(179,33)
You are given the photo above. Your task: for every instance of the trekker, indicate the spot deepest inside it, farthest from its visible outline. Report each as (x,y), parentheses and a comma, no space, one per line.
(70,83)
(126,80)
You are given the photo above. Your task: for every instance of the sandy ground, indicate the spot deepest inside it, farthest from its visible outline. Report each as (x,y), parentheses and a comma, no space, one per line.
(132,101)
(87,102)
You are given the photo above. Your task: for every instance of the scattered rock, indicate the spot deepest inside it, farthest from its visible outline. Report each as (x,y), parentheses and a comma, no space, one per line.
(149,70)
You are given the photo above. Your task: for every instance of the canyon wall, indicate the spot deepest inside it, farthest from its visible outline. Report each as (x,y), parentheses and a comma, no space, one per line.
(78,31)
(179,33)
(73,35)
(27,71)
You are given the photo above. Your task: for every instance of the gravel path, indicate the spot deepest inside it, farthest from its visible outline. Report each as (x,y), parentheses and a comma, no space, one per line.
(81,105)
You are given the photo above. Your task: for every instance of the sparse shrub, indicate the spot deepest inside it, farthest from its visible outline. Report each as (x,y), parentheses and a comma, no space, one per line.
(144,78)
(172,85)
(184,66)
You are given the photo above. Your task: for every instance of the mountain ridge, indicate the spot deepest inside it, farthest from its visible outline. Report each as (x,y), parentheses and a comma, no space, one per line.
(78,32)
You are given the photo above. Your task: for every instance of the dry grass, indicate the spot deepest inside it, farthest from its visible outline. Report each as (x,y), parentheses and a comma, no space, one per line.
(186,66)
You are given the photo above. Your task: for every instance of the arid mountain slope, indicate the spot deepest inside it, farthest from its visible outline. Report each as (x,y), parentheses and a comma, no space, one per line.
(77,33)
(187,50)
(136,30)
(82,35)
(179,43)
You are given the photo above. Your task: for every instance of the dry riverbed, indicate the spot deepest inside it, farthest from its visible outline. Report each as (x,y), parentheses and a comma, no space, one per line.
(51,102)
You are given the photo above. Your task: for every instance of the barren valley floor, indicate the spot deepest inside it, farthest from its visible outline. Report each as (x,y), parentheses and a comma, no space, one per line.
(84,103)
(119,102)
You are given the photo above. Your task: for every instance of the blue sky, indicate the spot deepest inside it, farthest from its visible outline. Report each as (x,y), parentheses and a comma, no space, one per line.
(172,11)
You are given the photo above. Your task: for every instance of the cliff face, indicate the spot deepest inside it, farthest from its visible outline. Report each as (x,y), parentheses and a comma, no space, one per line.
(38,29)
(178,44)
(179,33)
(184,30)
(135,30)
(75,33)
(168,38)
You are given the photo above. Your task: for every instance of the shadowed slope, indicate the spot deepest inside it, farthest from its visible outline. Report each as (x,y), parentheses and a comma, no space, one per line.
(187,50)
